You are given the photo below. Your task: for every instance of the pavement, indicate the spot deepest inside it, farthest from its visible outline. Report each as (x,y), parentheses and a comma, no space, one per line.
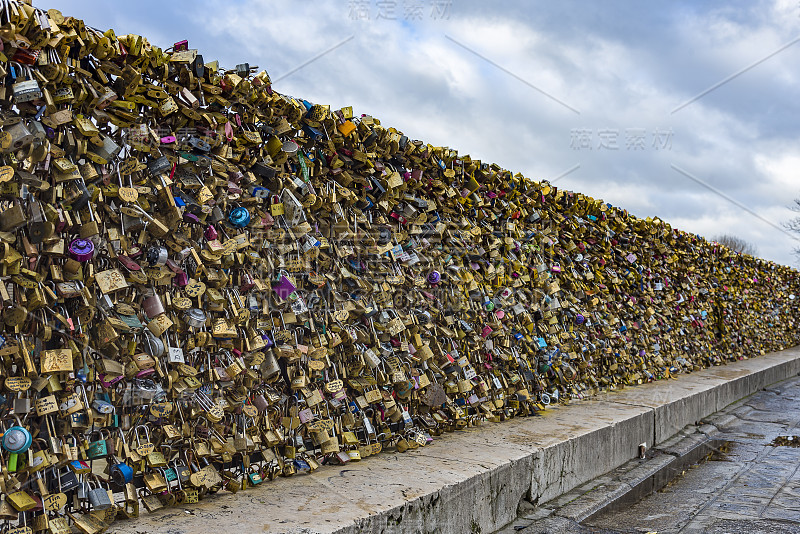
(749,482)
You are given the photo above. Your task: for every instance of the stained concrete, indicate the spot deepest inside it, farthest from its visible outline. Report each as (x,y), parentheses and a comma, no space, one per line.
(750,484)
(475,480)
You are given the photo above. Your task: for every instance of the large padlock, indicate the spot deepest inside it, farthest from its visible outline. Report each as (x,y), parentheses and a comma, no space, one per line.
(270,367)
(152,344)
(292,208)
(22,501)
(97,448)
(25,87)
(153,306)
(19,137)
(239,217)
(13,217)
(104,153)
(284,288)
(17,439)
(98,497)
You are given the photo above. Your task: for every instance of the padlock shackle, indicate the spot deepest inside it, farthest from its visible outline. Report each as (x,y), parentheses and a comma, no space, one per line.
(15,65)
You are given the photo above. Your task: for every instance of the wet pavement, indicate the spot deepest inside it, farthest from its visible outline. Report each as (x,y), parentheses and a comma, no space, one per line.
(752,485)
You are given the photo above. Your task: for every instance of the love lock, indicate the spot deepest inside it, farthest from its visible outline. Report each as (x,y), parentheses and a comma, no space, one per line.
(17,439)
(239,217)
(98,497)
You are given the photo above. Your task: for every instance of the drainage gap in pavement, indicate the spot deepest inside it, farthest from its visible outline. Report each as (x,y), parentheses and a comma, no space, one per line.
(786,441)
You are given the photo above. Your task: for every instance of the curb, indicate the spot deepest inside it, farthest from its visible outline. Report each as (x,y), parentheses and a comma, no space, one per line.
(624,486)
(475,480)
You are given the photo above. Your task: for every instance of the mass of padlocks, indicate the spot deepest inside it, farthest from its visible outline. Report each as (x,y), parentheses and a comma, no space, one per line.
(206,284)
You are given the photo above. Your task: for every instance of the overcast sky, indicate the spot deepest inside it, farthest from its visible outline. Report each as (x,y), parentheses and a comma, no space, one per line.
(617,92)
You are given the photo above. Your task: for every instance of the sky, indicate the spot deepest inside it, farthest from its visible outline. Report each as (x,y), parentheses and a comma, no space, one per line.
(683,110)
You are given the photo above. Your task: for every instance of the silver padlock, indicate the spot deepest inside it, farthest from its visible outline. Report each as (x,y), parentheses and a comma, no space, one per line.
(195,317)
(270,367)
(25,88)
(20,137)
(175,354)
(157,255)
(98,497)
(367,425)
(153,346)
(152,306)
(37,130)
(293,208)
(372,359)
(108,151)
(105,303)
(22,405)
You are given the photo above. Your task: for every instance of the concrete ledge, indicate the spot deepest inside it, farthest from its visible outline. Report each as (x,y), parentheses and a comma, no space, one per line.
(474,480)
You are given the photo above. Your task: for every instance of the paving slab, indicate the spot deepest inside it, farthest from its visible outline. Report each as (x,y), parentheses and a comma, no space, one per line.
(474,480)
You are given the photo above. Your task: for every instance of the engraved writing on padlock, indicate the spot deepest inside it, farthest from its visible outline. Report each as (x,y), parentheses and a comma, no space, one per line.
(158,165)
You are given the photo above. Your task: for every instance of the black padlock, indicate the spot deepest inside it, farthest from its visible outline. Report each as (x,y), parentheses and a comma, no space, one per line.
(198,67)
(62,481)
(378,190)
(158,165)
(243,70)
(76,196)
(264,171)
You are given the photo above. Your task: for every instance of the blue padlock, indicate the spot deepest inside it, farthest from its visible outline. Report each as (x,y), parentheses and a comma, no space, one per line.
(17,439)
(260,192)
(239,217)
(121,473)
(302,465)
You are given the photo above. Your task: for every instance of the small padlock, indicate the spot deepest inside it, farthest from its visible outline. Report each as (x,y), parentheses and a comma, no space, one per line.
(276,206)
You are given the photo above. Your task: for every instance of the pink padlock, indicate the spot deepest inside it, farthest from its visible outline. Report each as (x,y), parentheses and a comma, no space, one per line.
(486,331)
(247,283)
(306,415)
(110,382)
(181,279)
